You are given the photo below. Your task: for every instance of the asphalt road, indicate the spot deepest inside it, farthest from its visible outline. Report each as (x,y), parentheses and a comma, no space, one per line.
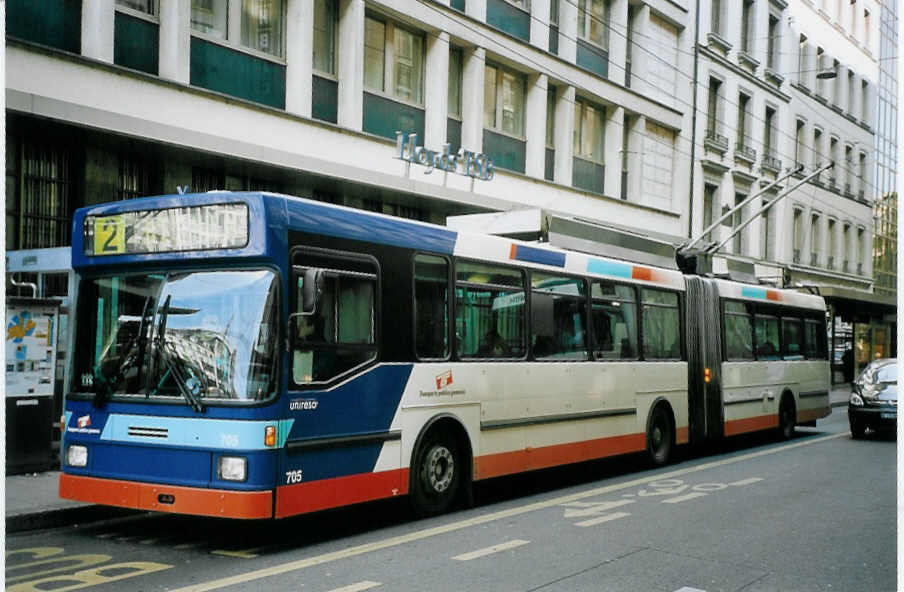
(815,513)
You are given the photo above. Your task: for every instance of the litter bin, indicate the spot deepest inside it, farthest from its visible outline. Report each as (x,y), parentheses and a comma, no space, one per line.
(32,325)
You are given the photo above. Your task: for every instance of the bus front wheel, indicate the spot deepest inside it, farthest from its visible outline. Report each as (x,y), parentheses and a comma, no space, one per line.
(787,418)
(437,468)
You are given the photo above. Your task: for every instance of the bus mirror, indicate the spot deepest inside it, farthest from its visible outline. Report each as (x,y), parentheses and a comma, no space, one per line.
(311,290)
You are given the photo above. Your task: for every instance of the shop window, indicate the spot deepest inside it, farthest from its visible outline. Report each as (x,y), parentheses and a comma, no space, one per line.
(44,214)
(661,325)
(768,345)
(558,317)
(489,311)
(431,307)
(738,331)
(614,321)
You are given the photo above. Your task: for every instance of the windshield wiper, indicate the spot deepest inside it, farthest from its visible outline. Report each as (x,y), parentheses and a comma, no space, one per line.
(188,386)
(107,386)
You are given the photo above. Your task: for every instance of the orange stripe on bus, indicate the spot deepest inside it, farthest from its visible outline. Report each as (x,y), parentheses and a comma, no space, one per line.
(507,463)
(513,252)
(773,295)
(750,424)
(682,436)
(186,500)
(642,273)
(341,491)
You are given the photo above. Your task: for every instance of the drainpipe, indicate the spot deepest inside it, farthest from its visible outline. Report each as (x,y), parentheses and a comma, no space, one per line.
(690,201)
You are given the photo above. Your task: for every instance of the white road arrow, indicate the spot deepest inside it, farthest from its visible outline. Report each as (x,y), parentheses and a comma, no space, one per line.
(592,508)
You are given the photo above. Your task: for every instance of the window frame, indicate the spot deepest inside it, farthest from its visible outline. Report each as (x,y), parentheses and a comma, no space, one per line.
(496,128)
(588,17)
(234,9)
(389,61)
(460,82)
(579,133)
(450,307)
(791,317)
(335,35)
(751,307)
(319,254)
(152,17)
(760,312)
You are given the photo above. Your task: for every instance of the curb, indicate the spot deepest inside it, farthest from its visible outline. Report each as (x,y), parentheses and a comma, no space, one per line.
(63,517)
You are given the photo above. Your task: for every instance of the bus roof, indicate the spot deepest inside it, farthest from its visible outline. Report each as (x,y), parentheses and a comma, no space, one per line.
(271,215)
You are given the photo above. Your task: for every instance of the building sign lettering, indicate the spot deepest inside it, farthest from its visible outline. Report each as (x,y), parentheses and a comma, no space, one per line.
(472,164)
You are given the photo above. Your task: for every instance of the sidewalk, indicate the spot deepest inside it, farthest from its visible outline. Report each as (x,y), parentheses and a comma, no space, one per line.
(33,502)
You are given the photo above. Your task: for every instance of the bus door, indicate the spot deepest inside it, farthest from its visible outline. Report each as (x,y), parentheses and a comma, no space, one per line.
(704,359)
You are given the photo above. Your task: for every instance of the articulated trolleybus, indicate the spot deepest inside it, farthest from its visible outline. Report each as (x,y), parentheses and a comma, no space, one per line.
(252,355)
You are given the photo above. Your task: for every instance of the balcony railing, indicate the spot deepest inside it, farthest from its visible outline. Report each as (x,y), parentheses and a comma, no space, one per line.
(771,163)
(716,141)
(746,152)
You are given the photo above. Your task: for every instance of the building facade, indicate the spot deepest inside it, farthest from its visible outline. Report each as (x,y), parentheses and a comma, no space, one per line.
(642,114)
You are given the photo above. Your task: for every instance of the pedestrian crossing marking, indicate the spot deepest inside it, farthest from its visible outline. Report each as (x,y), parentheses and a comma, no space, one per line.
(601,519)
(490,550)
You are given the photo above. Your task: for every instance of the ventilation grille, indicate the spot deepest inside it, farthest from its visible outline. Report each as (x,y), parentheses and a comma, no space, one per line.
(146,432)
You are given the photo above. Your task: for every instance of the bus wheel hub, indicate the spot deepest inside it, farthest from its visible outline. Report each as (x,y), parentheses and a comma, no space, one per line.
(440,467)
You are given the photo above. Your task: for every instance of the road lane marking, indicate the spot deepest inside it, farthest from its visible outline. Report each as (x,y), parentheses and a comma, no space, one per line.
(592,508)
(490,550)
(601,519)
(241,554)
(682,498)
(478,520)
(365,585)
(689,589)
(746,481)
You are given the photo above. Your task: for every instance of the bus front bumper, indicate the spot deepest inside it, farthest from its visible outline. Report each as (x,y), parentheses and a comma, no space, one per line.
(157,497)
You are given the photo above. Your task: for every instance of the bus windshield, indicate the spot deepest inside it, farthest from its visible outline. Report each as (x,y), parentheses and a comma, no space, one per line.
(205,335)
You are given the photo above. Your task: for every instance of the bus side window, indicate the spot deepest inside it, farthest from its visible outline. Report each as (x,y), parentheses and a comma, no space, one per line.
(738,331)
(340,334)
(489,311)
(814,340)
(431,307)
(767,338)
(792,339)
(661,325)
(558,317)
(614,321)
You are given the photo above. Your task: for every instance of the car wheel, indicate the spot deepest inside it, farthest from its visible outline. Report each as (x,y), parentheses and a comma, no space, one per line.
(660,437)
(858,428)
(437,473)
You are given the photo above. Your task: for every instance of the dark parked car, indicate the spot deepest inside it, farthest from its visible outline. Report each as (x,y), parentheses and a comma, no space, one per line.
(874,398)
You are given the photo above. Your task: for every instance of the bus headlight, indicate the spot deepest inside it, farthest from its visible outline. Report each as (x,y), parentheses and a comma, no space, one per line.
(77,456)
(232,468)
(856,401)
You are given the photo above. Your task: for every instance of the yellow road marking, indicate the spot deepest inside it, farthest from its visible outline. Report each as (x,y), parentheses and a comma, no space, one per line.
(478,520)
(246,554)
(601,519)
(490,550)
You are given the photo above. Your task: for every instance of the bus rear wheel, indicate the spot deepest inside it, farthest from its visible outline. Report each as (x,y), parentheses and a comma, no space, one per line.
(660,437)
(438,467)
(787,418)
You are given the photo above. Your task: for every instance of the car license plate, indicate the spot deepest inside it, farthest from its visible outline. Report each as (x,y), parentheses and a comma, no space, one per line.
(889,415)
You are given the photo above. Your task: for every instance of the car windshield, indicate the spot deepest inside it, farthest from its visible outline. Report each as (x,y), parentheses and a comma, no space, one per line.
(207,335)
(886,373)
